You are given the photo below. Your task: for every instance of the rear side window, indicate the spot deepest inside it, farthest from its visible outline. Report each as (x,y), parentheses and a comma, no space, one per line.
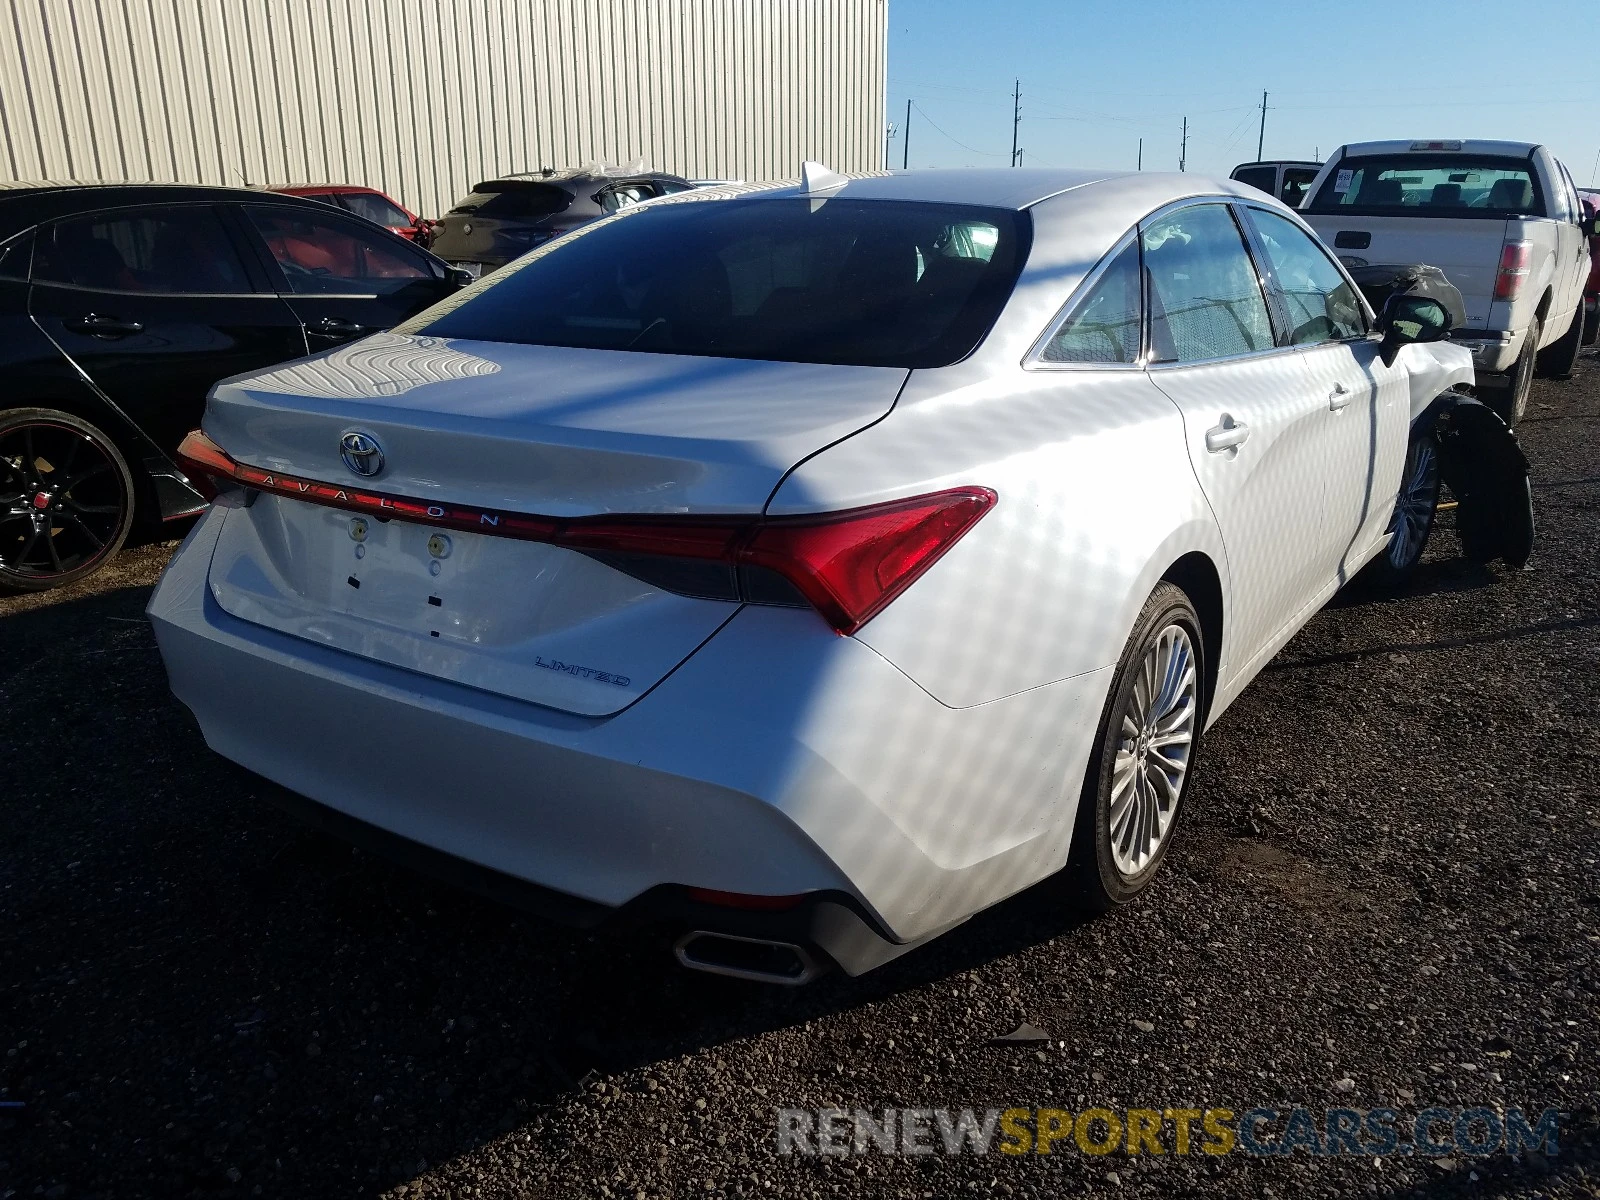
(867,282)
(1264,178)
(1431,185)
(183,250)
(1205,299)
(375,209)
(15,256)
(326,256)
(515,201)
(625,195)
(1104,326)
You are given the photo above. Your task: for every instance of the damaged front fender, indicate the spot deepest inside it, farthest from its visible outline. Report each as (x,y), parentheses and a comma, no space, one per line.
(1482,463)
(1433,368)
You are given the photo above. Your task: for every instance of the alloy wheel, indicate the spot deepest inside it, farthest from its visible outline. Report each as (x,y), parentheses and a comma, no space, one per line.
(1414,507)
(1155,741)
(63,501)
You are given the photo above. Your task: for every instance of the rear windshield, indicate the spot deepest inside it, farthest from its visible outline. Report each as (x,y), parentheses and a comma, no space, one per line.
(1431,185)
(865,282)
(515,200)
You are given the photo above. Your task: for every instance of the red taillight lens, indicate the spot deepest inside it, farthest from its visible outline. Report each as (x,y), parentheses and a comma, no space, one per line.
(205,463)
(1508,280)
(850,565)
(847,565)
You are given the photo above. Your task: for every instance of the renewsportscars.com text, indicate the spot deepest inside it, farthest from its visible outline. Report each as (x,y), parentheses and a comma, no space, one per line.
(1265,1132)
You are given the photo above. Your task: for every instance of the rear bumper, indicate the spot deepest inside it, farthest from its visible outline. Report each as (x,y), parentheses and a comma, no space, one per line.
(1494,352)
(778,760)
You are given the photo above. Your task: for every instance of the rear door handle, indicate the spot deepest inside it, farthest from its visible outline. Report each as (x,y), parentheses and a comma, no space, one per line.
(337,327)
(1227,435)
(100,326)
(1340,396)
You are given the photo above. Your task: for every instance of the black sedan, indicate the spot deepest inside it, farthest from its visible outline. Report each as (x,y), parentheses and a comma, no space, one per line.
(120,306)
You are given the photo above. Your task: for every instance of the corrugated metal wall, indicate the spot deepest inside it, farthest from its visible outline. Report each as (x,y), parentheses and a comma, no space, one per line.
(422,98)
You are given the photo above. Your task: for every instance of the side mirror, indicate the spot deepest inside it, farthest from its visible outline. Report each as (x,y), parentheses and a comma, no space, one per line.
(1590,226)
(1406,319)
(458,279)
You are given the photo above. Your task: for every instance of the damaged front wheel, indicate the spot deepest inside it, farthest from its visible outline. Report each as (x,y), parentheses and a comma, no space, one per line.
(1414,510)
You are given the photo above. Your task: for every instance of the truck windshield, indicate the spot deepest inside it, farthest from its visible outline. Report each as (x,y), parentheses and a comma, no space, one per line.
(862,282)
(1422,185)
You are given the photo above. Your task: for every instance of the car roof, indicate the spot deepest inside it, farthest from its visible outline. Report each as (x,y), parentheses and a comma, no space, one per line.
(1001,187)
(578,177)
(1278,162)
(294,189)
(26,203)
(1418,146)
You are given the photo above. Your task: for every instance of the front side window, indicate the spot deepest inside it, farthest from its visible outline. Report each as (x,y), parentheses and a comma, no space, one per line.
(1424,185)
(375,209)
(1205,299)
(1322,306)
(171,250)
(323,256)
(1104,326)
(865,282)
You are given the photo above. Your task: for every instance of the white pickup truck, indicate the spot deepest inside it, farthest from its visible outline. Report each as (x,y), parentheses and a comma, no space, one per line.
(1501,219)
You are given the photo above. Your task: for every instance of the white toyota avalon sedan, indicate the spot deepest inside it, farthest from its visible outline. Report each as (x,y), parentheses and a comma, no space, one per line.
(805,568)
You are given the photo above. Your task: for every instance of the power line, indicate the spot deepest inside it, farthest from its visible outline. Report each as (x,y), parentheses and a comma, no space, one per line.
(952,137)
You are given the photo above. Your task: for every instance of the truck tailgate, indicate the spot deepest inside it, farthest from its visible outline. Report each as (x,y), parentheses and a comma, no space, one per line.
(1466,249)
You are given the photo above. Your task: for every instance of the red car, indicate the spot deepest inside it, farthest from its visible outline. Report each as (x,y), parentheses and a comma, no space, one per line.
(366,202)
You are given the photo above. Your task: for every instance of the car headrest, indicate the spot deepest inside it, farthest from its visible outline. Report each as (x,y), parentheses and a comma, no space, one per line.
(1381,192)
(1511,193)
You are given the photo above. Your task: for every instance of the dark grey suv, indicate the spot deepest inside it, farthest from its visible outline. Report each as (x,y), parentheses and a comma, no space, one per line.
(504,218)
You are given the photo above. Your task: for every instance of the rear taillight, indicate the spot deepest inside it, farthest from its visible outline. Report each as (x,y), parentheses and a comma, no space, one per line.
(847,565)
(1508,280)
(205,463)
(850,565)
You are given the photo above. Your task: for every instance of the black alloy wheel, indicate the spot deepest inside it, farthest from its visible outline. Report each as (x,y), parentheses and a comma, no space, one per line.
(66,499)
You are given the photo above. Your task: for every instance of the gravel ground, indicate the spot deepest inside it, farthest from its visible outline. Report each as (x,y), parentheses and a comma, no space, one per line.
(1386,893)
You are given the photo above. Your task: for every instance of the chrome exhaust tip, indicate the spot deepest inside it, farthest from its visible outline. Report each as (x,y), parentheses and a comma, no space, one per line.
(755,959)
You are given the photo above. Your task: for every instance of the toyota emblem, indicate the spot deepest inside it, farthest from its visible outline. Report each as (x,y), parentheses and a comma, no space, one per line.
(361,453)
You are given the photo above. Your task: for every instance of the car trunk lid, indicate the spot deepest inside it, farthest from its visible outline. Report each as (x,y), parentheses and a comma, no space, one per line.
(501,430)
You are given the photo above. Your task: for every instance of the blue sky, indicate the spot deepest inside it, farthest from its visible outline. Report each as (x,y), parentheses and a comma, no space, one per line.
(1096,78)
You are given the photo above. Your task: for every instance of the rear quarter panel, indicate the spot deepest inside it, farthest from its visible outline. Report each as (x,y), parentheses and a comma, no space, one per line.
(1096,500)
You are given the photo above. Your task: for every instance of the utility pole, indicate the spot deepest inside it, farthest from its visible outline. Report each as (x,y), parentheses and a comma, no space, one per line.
(1183,147)
(905,139)
(1016,119)
(1141,154)
(1261,138)
(888,138)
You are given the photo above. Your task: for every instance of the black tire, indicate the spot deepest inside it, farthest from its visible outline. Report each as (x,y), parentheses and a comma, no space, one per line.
(1509,399)
(1560,359)
(1414,511)
(1101,883)
(66,499)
